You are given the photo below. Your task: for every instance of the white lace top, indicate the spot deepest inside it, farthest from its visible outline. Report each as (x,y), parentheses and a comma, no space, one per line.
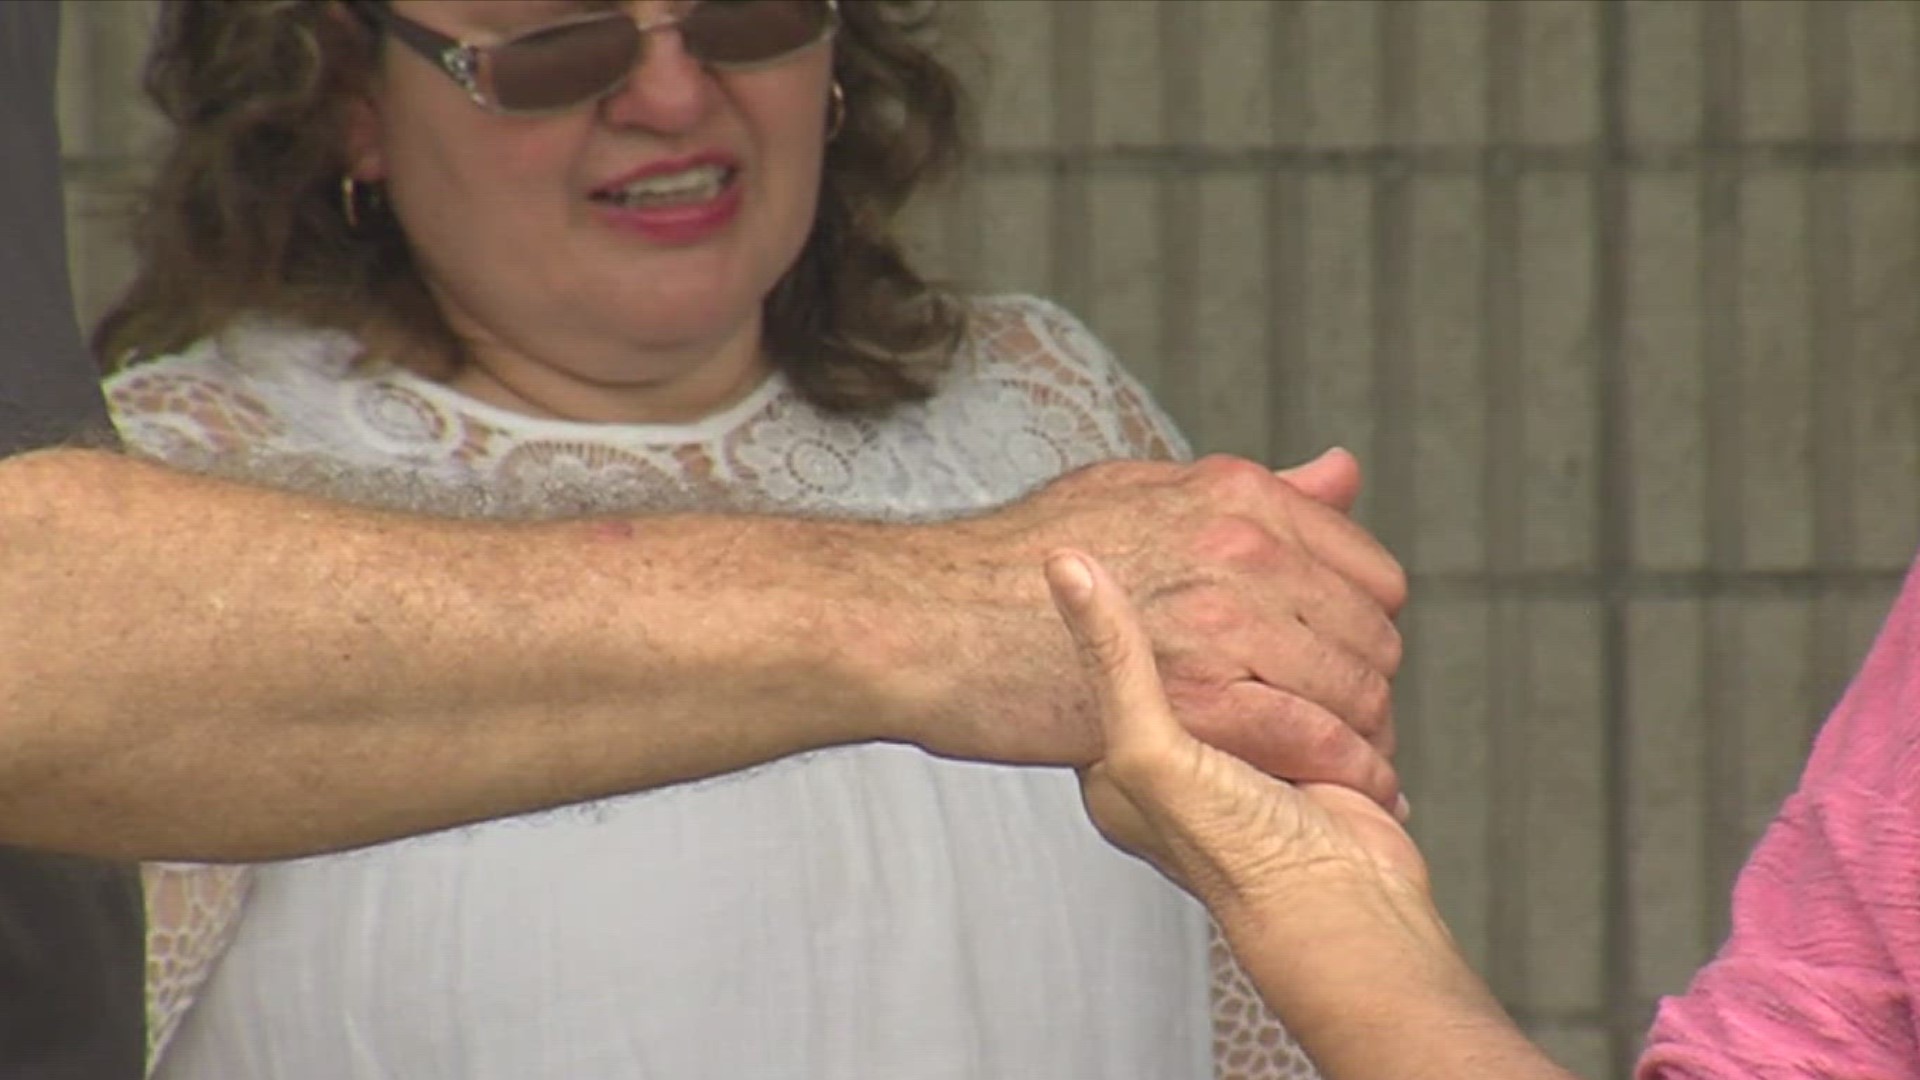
(867,912)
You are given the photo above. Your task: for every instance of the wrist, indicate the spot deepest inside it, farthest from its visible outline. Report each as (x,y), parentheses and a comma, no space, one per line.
(975,660)
(874,622)
(1360,965)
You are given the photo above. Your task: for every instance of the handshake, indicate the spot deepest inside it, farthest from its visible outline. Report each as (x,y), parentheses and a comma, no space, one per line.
(1258,781)
(1269,611)
(1236,629)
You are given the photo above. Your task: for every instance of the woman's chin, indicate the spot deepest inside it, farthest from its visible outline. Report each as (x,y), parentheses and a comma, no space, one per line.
(682,317)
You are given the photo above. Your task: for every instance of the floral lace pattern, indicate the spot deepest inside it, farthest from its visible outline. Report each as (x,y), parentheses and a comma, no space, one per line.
(192,912)
(1033,394)
(1249,1042)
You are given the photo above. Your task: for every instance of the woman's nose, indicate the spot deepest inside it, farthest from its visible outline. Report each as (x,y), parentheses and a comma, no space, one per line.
(668,90)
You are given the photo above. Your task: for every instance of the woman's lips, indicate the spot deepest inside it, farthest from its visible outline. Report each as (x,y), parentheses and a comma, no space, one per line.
(680,223)
(668,220)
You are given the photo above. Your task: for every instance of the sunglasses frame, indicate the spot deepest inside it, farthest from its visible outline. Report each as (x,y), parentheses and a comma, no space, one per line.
(469,64)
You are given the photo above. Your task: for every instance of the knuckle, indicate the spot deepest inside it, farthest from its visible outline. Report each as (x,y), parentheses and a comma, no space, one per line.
(1209,612)
(1312,734)
(1236,541)
(1105,646)
(1325,748)
(1372,704)
(1328,743)
(1234,477)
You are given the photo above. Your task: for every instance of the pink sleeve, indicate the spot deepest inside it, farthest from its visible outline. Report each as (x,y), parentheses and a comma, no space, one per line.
(1818,976)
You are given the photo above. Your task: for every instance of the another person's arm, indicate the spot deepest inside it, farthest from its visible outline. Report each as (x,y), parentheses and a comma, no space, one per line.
(1321,894)
(1821,975)
(197,669)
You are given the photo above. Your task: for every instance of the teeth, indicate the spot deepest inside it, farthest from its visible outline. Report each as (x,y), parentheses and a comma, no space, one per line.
(697,184)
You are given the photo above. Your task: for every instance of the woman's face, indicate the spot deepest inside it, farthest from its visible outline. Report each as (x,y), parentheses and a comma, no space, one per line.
(620,247)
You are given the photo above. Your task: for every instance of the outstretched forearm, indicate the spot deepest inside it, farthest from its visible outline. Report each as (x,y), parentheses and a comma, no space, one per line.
(196,669)
(1366,976)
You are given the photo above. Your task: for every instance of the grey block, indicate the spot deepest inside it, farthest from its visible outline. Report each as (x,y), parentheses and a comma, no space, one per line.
(1128,62)
(1776,375)
(1447,366)
(1664,71)
(1773,66)
(1337,307)
(1444,761)
(1127,276)
(1228,373)
(1235,92)
(1343,85)
(1665,375)
(1674,920)
(1559,865)
(1556,367)
(1883,80)
(1450,73)
(104,115)
(1559,70)
(1884,443)
(1014,210)
(1779,706)
(1016,98)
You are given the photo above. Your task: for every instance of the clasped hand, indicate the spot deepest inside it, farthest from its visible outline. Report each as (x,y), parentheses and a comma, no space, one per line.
(1269,610)
(1235,837)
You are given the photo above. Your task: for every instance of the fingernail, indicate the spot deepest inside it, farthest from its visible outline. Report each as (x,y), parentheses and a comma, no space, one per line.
(1402,809)
(1073,575)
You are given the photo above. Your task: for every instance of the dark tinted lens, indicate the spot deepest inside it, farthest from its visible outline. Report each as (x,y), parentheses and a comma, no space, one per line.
(563,65)
(752,31)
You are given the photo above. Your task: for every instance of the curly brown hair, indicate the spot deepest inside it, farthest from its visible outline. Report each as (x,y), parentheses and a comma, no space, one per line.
(244,216)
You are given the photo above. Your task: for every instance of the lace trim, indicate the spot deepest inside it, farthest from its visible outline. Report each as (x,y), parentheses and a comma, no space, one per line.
(192,914)
(1249,1042)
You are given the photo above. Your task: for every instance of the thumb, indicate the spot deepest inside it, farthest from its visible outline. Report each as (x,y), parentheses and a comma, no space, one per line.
(1116,649)
(1332,479)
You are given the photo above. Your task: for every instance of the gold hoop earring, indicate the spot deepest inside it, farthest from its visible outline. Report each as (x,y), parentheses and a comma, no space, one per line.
(350,203)
(836,111)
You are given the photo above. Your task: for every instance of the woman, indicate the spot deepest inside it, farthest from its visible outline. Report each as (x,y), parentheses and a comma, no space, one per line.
(560,253)
(1325,900)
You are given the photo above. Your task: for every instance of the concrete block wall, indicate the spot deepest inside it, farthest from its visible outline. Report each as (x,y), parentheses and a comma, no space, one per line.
(1616,299)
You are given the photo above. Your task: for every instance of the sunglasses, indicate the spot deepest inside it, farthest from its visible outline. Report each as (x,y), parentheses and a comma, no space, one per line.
(573,62)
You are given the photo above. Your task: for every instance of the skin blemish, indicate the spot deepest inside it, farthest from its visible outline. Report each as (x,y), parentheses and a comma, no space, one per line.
(610,530)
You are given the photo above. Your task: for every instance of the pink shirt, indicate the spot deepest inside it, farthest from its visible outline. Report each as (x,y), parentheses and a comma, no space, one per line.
(1820,974)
